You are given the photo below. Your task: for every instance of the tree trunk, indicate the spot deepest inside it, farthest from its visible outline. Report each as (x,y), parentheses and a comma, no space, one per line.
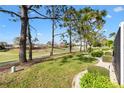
(24,20)
(80,45)
(53,25)
(70,38)
(30,42)
(90,49)
(86,45)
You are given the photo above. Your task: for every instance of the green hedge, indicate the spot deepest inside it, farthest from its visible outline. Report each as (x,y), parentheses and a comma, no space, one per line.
(107,58)
(108,53)
(100,70)
(97,53)
(96,48)
(106,48)
(95,80)
(3,50)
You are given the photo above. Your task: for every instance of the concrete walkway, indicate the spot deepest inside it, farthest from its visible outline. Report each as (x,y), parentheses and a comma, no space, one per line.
(110,67)
(107,65)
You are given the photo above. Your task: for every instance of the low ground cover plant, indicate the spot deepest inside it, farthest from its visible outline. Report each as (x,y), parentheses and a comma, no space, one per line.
(97,53)
(95,80)
(108,53)
(106,48)
(97,77)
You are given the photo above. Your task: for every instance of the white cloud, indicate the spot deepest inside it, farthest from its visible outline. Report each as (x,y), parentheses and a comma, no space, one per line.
(3,26)
(118,9)
(39,34)
(109,16)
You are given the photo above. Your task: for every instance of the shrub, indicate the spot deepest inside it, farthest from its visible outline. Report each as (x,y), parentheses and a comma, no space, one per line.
(107,58)
(4,50)
(97,53)
(94,80)
(106,49)
(90,49)
(2,47)
(96,48)
(100,70)
(108,53)
(97,44)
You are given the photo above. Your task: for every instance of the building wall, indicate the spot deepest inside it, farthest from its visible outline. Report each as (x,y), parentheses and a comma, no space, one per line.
(116,61)
(122,54)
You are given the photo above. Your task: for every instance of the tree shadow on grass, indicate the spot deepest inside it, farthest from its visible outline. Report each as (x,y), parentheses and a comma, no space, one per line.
(84,59)
(4,50)
(65,59)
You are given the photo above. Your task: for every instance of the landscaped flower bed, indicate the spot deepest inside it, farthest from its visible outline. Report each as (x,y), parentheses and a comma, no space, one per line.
(97,77)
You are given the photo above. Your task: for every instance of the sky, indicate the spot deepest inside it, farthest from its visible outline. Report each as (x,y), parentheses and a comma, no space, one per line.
(9,29)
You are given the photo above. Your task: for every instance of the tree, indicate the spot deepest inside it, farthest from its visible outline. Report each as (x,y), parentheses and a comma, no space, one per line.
(24,24)
(16,40)
(30,42)
(23,16)
(3,45)
(68,23)
(92,22)
(112,35)
(55,12)
(110,43)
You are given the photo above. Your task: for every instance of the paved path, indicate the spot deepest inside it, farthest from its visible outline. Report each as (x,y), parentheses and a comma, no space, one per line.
(103,64)
(107,65)
(110,67)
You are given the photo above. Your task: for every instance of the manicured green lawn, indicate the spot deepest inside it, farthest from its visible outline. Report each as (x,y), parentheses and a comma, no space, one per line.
(57,73)
(12,55)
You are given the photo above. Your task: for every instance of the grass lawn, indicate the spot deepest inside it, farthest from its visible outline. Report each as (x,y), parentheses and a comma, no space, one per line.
(12,55)
(57,73)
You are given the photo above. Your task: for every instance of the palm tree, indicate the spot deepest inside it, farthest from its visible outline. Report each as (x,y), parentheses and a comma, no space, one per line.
(91,20)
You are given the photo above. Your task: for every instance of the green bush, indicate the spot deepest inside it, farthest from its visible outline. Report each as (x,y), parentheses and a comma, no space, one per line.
(2,47)
(4,50)
(106,48)
(90,49)
(97,44)
(100,70)
(94,80)
(96,48)
(97,53)
(108,53)
(107,58)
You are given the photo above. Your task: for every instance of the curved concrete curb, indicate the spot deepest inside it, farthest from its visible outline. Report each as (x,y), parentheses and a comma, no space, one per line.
(76,80)
(109,66)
